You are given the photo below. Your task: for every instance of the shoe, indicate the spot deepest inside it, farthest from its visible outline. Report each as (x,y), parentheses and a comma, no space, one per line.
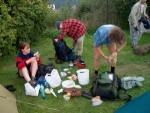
(133,47)
(32,83)
(78,58)
(96,102)
(95,76)
(10,88)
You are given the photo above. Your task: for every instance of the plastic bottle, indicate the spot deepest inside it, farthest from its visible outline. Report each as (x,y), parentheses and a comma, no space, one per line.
(46,84)
(42,92)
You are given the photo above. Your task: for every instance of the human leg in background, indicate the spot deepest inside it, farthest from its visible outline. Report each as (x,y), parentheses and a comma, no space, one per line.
(139,32)
(78,47)
(25,73)
(135,35)
(97,56)
(112,50)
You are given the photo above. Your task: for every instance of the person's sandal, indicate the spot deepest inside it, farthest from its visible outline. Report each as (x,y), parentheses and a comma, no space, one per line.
(32,83)
(10,88)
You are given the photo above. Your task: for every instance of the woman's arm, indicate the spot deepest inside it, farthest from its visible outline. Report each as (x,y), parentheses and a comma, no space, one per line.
(121,47)
(102,53)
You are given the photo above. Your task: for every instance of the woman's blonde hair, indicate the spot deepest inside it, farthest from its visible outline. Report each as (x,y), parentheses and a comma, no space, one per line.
(117,35)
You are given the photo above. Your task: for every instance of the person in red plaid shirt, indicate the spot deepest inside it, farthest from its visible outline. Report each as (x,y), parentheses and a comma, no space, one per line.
(74,29)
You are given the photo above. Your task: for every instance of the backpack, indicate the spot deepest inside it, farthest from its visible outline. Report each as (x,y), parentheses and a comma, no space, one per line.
(145,22)
(43,70)
(108,87)
(62,52)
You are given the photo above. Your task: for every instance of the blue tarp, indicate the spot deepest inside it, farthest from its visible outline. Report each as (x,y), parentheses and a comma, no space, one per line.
(140,104)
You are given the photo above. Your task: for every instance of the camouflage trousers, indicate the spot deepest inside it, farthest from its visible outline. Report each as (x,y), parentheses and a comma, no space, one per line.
(78,47)
(135,35)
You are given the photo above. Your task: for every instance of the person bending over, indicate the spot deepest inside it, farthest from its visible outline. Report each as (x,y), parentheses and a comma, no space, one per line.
(114,38)
(74,29)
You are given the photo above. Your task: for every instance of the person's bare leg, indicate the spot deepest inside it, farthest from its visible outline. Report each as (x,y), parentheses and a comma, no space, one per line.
(96,59)
(24,72)
(34,68)
(97,56)
(112,49)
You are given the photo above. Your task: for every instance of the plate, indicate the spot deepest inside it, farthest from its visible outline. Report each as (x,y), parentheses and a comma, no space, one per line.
(68,84)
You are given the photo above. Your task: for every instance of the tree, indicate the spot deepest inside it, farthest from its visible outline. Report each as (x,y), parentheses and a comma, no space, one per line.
(21,20)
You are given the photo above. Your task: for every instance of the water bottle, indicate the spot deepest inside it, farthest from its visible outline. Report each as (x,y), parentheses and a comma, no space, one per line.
(46,84)
(42,92)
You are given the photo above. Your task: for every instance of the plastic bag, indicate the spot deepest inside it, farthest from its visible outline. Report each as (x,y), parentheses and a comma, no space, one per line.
(29,90)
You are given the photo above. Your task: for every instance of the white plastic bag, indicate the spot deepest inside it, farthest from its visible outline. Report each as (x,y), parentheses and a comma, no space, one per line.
(53,79)
(29,90)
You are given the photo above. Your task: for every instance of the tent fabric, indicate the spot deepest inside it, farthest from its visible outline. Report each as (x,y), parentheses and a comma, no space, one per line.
(140,104)
(7,105)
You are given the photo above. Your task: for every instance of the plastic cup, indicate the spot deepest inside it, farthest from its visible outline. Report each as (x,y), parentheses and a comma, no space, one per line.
(66,98)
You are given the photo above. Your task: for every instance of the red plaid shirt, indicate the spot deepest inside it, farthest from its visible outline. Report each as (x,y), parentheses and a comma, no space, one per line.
(72,28)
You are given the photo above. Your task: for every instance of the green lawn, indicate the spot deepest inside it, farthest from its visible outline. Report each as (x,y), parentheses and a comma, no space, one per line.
(128,65)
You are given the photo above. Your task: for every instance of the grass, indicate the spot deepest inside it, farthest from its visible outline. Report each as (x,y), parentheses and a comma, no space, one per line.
(128,65)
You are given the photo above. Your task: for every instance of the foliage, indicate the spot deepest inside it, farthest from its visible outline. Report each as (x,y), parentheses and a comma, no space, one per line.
(66,12)
(26,20)
(7,30)
(22,21)
(123,8)
(98,12)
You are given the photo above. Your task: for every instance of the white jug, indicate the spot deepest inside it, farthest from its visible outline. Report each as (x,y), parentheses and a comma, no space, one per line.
(53,79)
(83,76)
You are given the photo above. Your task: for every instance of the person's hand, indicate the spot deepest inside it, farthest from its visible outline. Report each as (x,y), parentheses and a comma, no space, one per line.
(37,56)
(31,60)
(114,55)
(56,40)
(106,58)
(135,28)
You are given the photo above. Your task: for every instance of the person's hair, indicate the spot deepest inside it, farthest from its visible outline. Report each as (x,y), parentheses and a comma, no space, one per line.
(23,45)
(117,35)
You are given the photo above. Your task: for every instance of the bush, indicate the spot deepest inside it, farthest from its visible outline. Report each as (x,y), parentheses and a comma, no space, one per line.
(123,8)
(94,13)
(23,21)
(7,30)
(98,12)
(31,19)
(66,12)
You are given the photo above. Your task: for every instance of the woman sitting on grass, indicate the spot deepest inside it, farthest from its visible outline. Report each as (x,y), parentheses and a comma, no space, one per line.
(114,38)
(27,63)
